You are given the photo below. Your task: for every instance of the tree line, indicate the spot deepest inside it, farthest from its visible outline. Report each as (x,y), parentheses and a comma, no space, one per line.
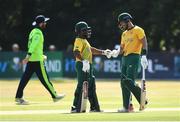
(160,20)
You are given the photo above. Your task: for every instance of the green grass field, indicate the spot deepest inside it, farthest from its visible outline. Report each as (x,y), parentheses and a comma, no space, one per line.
(164,102)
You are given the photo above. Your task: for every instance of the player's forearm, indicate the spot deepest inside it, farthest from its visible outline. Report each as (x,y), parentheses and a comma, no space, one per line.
(28,56)
(121,52)
(96,51)
(144,46)
(26,59)
(122,48)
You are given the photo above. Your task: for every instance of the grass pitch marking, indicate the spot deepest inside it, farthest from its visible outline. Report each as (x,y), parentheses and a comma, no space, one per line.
(68,111)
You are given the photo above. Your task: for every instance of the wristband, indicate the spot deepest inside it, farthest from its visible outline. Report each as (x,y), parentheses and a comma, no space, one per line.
(144,52)
(29,54)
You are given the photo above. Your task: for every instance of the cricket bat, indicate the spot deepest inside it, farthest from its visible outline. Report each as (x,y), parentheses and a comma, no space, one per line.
(84,96)
(143,91)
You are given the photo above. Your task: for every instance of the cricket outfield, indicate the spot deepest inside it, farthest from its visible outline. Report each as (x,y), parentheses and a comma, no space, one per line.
(164,102)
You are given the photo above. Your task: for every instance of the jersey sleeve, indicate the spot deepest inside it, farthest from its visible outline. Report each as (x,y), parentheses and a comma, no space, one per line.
(140,33)
(35,38)
(78,45)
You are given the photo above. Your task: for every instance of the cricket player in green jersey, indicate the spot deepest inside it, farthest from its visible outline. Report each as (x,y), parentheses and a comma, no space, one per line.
(83,53)
(133,48)
(35,62)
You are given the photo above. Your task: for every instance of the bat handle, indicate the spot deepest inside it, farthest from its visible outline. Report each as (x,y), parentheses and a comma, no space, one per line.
(86,75)
(143,73)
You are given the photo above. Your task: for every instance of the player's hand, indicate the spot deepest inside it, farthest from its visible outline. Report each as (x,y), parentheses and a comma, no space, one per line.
(25,61)
(115,53)
(144,61)
(107,53)
(86,66)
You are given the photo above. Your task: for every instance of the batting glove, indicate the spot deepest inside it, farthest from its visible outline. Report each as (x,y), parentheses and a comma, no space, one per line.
(86,66)
(144,62)
(107,53)
(115,53)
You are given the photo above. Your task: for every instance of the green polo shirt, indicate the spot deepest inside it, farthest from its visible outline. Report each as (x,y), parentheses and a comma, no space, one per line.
(35,45)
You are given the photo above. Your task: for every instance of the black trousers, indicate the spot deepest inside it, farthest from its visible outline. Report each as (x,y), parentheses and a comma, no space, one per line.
(37,67)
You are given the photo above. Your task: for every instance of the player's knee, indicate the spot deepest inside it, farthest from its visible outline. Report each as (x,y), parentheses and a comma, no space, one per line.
(92,84)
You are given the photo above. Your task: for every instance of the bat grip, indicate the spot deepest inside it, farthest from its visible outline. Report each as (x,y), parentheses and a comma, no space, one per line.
(143,73)
(86,75)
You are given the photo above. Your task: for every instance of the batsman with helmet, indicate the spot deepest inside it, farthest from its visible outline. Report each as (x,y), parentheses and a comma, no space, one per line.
(83,53)
(134,50)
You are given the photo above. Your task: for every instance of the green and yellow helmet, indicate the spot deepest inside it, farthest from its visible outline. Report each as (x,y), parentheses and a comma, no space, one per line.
(124,17)
(81,26)
(82,29)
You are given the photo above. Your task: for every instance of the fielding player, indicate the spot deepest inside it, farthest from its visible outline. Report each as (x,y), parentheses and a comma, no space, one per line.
(133,44)
(83,53)
(35,62)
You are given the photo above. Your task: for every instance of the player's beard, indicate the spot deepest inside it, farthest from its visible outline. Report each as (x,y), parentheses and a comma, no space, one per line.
(124,27)
(89,34)
(86,34)
(42,25)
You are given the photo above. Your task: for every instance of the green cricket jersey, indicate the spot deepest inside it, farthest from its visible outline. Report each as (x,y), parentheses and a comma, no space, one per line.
(35,45)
